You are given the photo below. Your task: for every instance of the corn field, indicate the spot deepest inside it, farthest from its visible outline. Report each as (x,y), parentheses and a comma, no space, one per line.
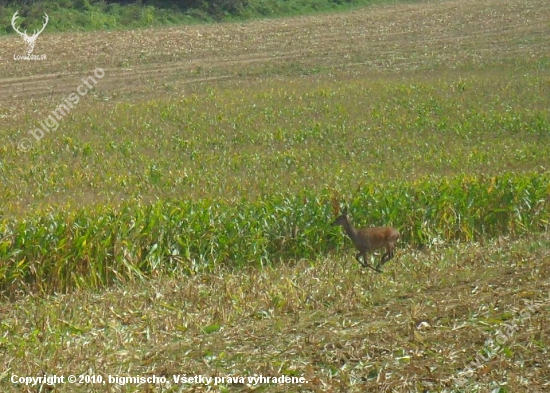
(93,247)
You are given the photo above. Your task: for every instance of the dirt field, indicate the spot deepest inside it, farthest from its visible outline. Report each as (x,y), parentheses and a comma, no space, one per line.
(425,36)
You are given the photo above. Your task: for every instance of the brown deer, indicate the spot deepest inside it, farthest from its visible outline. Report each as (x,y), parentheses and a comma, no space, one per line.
(369,239)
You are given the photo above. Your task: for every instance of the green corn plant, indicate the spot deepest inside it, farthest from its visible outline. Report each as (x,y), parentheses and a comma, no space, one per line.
(95,246)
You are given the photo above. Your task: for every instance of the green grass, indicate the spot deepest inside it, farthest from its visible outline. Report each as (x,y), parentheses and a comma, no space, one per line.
(77,15)
(244,175)
(314,133)
(96,247)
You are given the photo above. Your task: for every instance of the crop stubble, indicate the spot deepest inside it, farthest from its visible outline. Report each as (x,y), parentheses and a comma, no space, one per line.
(386,38)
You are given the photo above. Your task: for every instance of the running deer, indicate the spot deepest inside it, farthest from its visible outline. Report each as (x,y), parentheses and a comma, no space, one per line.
(369,239)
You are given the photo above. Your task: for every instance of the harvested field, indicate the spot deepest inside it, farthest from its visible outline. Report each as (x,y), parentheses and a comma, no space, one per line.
(417,328)
(428,36)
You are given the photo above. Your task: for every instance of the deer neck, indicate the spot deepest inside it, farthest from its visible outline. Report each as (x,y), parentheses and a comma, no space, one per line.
(350,231)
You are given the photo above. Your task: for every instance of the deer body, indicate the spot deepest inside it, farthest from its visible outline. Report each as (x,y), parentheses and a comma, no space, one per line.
(367,240)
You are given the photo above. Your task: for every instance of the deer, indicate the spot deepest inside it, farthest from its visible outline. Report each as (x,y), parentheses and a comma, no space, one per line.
(29,40)
(368,240)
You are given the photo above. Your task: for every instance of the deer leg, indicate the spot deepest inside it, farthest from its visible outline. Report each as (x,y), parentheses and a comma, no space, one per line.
(362,259)
(387,256)
(375,268)
(379,265)
(365,263)
(362,262)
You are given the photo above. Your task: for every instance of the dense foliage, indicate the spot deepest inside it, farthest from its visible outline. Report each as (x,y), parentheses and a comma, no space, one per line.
(70,15)
(92,247)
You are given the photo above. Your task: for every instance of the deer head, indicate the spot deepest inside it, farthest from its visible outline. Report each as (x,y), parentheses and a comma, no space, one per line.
(342,219)
(29,40)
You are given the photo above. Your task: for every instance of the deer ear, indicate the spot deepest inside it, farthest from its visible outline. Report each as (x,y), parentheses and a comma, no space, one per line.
(335,206)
